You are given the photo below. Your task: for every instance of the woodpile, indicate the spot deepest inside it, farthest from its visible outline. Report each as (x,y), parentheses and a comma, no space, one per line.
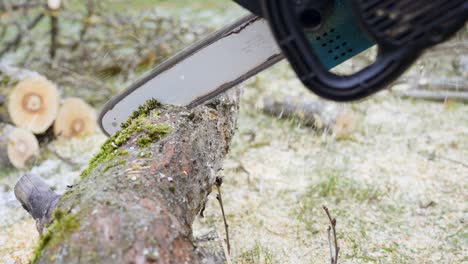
(31,112)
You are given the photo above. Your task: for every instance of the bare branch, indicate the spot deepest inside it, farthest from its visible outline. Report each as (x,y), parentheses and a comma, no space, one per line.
(218,183)
(334,260)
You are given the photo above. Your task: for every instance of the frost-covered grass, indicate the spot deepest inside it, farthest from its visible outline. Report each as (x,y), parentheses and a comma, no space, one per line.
(397,185)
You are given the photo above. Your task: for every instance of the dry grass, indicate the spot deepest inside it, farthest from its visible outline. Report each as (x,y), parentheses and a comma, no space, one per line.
(396,185)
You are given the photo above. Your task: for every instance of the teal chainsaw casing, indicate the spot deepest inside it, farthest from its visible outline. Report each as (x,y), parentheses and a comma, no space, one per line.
(339,37)
(331,28)
(317,35)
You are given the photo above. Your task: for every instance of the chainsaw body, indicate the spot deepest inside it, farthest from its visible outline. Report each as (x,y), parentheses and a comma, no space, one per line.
(316,35)
(313,35)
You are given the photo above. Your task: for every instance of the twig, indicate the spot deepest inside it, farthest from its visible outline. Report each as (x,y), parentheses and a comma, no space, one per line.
(14,7)
(435,96)
(54,31)
(330,244)
(218,183)
(17,40)
(334,260)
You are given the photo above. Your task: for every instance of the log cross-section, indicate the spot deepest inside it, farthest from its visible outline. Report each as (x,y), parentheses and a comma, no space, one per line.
(138,199)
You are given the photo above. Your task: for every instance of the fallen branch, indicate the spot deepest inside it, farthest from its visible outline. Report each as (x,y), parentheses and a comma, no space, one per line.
(138,198)
(314,114)
(456,84)
(433,95)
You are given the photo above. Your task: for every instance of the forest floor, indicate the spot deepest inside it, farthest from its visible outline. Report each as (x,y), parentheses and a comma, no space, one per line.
(397,185)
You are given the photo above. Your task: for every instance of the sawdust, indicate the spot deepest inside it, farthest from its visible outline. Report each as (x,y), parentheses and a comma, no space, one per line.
(17,242)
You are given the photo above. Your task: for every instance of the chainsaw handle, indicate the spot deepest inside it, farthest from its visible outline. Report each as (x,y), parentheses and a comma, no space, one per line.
(359,85)
(317,78)
(401,35)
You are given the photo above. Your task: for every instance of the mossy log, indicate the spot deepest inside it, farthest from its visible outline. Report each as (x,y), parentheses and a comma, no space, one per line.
(140,195)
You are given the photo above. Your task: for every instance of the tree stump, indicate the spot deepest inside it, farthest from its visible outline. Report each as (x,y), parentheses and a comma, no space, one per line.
(140,195)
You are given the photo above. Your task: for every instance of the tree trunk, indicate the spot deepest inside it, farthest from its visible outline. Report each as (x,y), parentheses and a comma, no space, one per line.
(140,195)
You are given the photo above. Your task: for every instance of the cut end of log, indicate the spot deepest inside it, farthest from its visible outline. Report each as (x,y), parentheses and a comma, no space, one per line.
(21,146)
(33,104)
(75,119)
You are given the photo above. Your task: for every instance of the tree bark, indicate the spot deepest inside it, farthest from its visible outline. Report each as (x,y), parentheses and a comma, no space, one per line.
(138,199)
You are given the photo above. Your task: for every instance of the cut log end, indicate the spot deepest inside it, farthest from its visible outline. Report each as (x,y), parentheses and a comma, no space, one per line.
(20,146)
(33,104)
(75,119)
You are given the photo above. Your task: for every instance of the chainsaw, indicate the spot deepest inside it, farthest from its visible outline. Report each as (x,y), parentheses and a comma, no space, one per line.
(313,35)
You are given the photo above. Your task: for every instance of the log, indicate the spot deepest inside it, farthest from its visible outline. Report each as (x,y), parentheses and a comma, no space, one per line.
(138,198)
(340,121)
(439,96)
(18,147)
(75,118)
(440,84)
(36,197)
(32,103)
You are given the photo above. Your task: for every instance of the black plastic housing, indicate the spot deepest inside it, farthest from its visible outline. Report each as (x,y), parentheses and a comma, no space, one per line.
(401,29)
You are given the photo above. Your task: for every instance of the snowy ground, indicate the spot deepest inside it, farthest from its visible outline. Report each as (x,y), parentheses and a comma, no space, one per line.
(397,185)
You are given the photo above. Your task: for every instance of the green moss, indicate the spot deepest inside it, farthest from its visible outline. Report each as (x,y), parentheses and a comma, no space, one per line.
(135,124)
(159,131)
(121,152)
(62,226)
(172,188)
(142,111)
(143,141)
(154,133)
(115,164)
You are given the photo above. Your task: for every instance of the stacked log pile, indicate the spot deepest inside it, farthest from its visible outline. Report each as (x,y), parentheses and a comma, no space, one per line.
(30,108)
